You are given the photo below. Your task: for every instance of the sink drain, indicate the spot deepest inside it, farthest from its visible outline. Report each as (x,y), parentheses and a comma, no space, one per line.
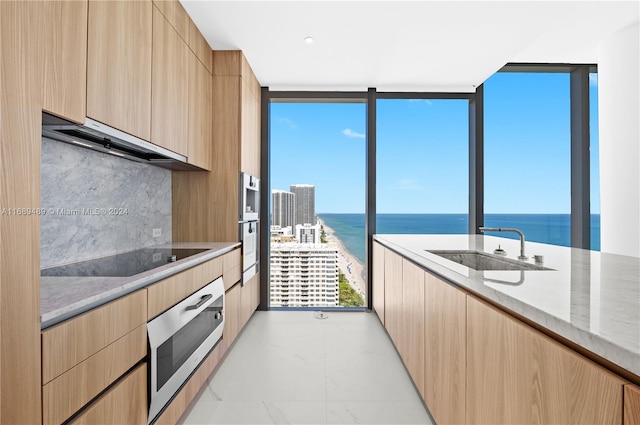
(321,315)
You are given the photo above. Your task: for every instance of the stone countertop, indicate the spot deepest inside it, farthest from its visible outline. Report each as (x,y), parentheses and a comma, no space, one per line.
(590,298)
(64,297)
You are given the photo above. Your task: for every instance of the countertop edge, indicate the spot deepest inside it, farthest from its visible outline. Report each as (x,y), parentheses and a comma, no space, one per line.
(59,315)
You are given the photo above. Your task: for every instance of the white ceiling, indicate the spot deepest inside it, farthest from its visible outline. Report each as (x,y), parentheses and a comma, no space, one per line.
(404,45)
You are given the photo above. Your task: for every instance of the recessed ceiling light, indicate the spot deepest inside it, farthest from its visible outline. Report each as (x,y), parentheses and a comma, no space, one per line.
(308,39)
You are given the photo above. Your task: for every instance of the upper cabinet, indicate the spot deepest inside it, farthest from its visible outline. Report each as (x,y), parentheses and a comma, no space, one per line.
(170,87)
(65,62)
(200,47)
(200,114)
(205,207)
(119,65)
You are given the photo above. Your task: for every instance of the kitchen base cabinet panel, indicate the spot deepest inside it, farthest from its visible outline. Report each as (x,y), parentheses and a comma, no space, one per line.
(70,391)
(393,295)
(125,403)
(516,375)
(445,351)
(378,280)
(71,342)
(631,405)
(412,331)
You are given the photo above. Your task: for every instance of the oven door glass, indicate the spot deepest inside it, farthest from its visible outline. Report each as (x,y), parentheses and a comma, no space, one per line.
(176,350)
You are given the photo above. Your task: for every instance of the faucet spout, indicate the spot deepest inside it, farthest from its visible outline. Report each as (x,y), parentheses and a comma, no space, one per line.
(508,229)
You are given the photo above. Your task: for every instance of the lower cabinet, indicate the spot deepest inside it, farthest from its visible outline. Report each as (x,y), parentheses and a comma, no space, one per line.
(631,405)
(515,374)
(475,364)
(124,403)
(378,280)
(411,338)
(445,340)
(240,303)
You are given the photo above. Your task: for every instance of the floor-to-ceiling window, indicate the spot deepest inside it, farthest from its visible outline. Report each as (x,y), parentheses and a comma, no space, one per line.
(317,215)
(527,154)
(422,163)
(527,147)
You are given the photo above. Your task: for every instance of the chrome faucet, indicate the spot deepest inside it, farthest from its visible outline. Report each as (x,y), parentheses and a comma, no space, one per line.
(508,229)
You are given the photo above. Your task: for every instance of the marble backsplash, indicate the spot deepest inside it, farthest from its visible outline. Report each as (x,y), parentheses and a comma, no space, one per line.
(97,204)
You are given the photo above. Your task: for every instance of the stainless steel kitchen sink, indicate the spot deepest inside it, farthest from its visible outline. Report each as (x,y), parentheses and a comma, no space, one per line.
(482,261)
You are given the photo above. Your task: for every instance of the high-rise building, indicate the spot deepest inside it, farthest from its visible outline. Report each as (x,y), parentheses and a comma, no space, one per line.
(304,275)
(305,203)
(308,233)
(283,208)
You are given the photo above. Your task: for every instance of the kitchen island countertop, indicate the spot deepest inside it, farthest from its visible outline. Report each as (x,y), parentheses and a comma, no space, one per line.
(590,298)
(63,297)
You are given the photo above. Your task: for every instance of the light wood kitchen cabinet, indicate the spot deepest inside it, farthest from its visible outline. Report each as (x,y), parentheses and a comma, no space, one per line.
(378,280)
(250,299)
(232,268)
(412,333)
(69,392)
(205,205)
(176,16)
(65,61)
(172,290)
(445,350)
(125,403)
(200,47)
(169,87)
(631,405)
(250,122)
(232,314)
(517,375)
(393,295)
(119,65)
(200,131)
(21,43)
(73,341)
(240,303)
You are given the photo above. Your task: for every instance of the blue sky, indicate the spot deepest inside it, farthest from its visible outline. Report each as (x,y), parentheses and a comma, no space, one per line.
(422,156)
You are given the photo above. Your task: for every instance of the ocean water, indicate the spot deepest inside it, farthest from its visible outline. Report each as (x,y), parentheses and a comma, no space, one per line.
(546,228)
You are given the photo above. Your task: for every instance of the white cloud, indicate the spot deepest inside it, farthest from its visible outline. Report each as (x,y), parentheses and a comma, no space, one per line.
(408,184)
(593,79)
(288,122)
(350,133)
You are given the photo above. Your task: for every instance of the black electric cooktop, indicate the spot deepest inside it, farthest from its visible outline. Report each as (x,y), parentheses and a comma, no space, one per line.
(123,265)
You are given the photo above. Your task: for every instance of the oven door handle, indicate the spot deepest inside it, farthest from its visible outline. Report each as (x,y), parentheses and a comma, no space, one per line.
(203,300)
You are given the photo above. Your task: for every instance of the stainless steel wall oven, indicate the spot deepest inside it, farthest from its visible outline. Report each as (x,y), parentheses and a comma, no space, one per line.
(179,339)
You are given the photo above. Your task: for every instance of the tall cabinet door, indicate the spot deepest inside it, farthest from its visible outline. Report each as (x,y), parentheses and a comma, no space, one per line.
(65,61)
(169,86)
(119,65)
(199,151)
(445,351)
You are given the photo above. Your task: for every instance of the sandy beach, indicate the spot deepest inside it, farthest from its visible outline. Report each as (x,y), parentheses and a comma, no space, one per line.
(353,270)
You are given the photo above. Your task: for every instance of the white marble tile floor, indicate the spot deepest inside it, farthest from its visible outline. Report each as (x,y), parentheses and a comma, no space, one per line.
(291,368)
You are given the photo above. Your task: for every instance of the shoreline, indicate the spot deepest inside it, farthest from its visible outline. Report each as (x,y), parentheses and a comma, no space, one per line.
(348,264)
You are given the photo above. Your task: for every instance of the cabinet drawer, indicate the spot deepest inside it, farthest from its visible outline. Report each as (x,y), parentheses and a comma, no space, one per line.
(71,342)
(232,268)
(125,403)
(174,289)
(66,394)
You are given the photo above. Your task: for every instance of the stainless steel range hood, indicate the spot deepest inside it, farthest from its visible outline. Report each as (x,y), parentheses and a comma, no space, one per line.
(100,137)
